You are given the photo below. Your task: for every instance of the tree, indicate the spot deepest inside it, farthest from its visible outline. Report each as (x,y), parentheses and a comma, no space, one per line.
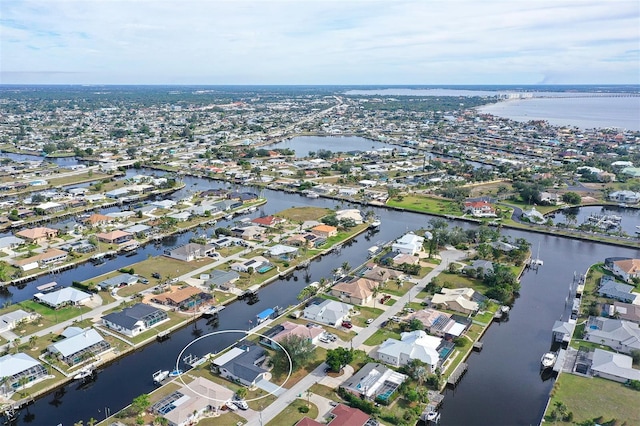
(299,349)
(416,324)
(338,358)
(571,198)
(140,404)
(242,392)
(32,341)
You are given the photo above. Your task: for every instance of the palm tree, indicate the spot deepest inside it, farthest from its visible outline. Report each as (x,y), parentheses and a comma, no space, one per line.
(346,267)
(92,422)
(32,341)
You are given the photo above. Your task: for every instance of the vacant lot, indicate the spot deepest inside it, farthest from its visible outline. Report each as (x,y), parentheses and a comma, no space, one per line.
(300,214)
(426,204)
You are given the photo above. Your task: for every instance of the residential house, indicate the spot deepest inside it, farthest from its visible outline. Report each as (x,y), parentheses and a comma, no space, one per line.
(412,345)
(620,335)
(114,237)
(324,231)
(533,215)
(627,269)
(180,216)
(48,257)
(403,258)
(37,235)
(612,366)
(135,320)
(49,207)
(20,370)
(479,209)
(98,219)
(625,311)
(184,298)
(456,299)
(12,319)
(185,406)
(282,252)
(328,312)
(562,331)
(243,365)
(626,197)
(10,243)
(440,324)
(408,244)
(268,221)
(287,329)
(358,291)
(63,297)
(381,274)
(190,251)
(480,267)
(353,214)
(119,280)
(374,381)
(612,289)
(249,265)
(248,232)
(224,280)
(117,193)
(78,345)
(342,415)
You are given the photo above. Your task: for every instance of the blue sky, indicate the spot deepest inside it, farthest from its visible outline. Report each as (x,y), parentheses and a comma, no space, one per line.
(320,42)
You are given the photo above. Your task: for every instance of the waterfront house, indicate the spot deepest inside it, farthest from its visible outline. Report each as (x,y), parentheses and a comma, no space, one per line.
(412,345)
(184,298)
(627,269)
(352,214)
(408,244)
(135,320)
(626,197)
(282,252)
(10,243)
(268,221)
(63,297)
(223,280)
(612,289)
(620,335)
(328,312)
(44,259)
(358,291)
(185,406)
(253,264)
(78,345)
(480,267)
(114,237)
(342,415)
(533,215)
(324,231)
(282,331)
(37,235)
(562,331)
(248,232)
(625,311)
(117,193)
(119,280)
(613,366)
(98,219)
(441,324)
(479,209)
(190,251)
(180,216)
(243,365)
(20,370)
(456,299)
(374,381)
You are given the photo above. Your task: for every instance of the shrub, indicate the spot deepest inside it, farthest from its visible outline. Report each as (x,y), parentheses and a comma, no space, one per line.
(303,409)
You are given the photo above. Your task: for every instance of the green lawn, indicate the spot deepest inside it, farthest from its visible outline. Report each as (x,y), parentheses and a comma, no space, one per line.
(452,280)
(589,398)
(227,419)
(290,415)
(381,335)
(301,214)
(392,287)
(51,316)
(421,203)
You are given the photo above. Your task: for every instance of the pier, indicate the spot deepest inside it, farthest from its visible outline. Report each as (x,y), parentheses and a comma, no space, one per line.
(457,374)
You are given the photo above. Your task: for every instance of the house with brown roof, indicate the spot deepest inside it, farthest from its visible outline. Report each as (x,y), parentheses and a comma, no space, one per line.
(356,292)
(325,231)
(627,269)
(184,298)
(37,235)
(48,257)
(114,237)
(97,219)
(479,209)
(268,220)
(287,329)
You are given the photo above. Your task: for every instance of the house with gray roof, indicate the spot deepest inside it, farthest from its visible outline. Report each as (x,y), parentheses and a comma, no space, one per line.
(243,365)
(282,252)
(190,251)
(374,380)
(78,345)
(613,289)
(222,279)
(10,320)
(18,368)
(10,242)
(328,312)
(135,320)
(481,267)
(613,366)
(63,297)
(117,281)
(562,331)
(622,336)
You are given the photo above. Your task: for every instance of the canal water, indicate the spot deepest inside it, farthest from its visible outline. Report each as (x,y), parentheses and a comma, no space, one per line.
(501,387)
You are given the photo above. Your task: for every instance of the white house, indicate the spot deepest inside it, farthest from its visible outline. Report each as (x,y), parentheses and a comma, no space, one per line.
(328,312)
(412,345)
(627,269)
(620,335)
(613,366)
(408,244)
(135,320)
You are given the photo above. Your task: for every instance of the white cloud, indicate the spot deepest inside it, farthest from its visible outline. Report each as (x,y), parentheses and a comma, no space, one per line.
(320,42)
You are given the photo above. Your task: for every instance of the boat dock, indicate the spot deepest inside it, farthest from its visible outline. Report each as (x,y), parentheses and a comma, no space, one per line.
(457,374)
(163,335)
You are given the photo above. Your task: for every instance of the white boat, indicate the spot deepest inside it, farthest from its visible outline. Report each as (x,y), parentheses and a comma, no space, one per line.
(505,309)
(373,250)
(312,194)
(175,373)
(548,359)
(375,224)
(212,310)
(84,373)
(160,375)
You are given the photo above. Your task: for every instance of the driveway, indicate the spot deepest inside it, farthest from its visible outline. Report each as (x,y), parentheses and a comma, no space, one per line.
(270,387)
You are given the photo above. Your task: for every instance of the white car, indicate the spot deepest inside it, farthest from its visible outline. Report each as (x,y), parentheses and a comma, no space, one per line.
(395,319)
(242,404)
(231,406)
(370,320)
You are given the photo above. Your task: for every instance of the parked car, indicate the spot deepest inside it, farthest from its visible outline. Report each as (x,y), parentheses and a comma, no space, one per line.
(143,280)
(156,275)
(241,404)
(395,319)
(231,406)
(369,321)
(346,324)
(323,339)
(384,323)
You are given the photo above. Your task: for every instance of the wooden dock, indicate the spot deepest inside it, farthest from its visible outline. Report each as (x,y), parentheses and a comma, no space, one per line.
(457,374)
(477,346)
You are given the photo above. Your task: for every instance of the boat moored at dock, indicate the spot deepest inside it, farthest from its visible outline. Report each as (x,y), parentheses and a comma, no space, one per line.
(548,360)
(160,375)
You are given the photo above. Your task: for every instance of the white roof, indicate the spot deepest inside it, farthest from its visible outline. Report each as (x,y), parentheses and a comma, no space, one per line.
(11,365)
(9,241)
(414,345)
(279,249)
(67,294)
(227,356)
(48,205)
(615,364)
(77,342)
(11,317)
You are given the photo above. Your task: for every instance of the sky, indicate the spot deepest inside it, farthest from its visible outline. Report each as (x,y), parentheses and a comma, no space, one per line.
(350,42)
